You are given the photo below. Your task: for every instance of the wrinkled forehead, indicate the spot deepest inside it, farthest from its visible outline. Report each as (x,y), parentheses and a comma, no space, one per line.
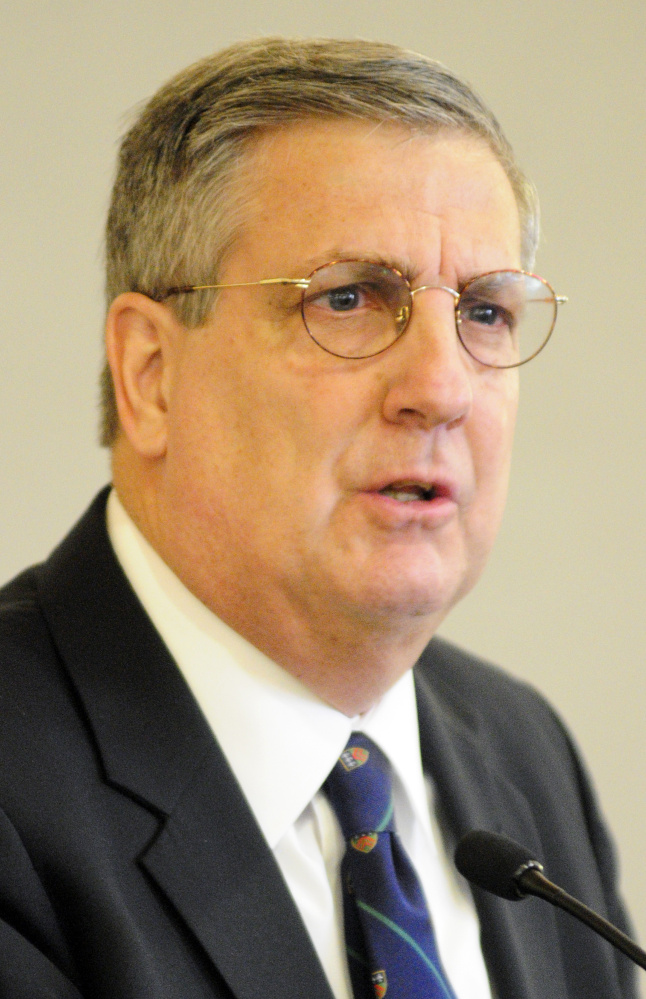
(322,182)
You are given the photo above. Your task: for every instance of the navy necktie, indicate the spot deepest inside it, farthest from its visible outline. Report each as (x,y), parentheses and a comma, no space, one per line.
(390,942)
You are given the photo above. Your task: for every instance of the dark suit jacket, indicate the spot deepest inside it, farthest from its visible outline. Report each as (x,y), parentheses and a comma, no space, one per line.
(131,866)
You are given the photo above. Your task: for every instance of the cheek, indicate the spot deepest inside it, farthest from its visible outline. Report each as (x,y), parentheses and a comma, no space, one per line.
(493,421)
(490,437)
(257,434)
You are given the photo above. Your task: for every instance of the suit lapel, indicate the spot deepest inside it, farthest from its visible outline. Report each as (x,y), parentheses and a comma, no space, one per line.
(213,863)
(519,940)
(209,857)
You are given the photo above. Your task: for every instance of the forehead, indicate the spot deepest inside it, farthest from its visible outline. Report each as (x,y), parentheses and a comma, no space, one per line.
(319,190)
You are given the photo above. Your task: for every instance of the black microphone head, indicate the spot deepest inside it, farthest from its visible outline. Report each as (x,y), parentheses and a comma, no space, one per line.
(493,862)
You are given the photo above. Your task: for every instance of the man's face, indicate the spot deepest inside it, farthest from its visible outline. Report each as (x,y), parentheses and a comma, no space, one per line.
(295,482)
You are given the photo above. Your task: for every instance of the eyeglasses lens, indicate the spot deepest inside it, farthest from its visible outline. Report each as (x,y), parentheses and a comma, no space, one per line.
(355,308)
(505,318)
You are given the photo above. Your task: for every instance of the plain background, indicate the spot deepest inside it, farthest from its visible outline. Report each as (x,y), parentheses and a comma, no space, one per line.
(561,602)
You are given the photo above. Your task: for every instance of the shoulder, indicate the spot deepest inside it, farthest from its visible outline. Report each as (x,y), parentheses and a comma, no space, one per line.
(23,630)
(520,741)
(31,676)
(39,709)
(517,734)
(467,684)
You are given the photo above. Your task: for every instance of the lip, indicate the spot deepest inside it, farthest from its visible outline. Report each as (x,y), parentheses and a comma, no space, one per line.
(443,487)
(391,511)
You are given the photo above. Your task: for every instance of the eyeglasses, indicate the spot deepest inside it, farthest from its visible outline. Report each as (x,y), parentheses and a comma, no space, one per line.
(358,308)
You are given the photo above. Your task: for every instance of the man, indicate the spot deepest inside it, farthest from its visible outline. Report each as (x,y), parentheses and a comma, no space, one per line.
(317,309)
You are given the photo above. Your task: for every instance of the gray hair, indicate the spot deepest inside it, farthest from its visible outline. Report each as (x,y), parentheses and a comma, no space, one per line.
(176,209)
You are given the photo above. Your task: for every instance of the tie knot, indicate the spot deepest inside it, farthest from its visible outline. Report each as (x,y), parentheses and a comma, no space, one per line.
(360,789)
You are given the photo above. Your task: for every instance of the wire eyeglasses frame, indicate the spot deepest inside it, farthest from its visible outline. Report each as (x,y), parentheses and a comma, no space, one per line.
(394,295)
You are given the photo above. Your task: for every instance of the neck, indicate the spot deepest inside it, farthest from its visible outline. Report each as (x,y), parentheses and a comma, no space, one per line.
(348,664)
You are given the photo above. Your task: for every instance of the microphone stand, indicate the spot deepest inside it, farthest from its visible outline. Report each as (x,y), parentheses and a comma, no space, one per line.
(531,881)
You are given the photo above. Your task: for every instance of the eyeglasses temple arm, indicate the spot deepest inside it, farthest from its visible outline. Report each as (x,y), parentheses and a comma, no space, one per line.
(294,282)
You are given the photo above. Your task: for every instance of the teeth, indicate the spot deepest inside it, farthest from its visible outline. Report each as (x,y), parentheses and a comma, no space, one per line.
(404,497)
(407,494)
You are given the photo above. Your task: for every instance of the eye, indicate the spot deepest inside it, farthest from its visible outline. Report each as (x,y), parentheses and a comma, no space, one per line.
(344,299)
(486,316)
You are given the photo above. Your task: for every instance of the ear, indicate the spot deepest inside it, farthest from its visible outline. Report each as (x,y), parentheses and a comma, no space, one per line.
(141,345)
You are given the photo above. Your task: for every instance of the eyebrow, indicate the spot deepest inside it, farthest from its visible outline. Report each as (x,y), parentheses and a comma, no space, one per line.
(338,254)
(404,265)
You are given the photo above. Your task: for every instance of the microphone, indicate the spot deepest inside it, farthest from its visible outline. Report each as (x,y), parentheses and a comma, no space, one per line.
(509,870)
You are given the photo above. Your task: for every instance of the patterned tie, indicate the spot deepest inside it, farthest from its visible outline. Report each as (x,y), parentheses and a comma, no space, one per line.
(389,938)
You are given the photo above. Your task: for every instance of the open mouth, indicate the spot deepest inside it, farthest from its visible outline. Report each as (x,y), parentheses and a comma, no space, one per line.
(409,492)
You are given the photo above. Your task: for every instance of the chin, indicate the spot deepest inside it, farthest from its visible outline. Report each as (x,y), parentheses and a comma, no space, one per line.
(398,599)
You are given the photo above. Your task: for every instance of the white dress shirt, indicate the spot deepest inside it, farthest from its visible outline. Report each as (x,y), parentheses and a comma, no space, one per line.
(281,742)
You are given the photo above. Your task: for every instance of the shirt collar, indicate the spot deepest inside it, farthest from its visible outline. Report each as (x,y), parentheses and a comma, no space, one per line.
(279,738)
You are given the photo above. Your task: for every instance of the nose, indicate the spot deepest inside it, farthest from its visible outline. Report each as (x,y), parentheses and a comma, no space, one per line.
(430,374)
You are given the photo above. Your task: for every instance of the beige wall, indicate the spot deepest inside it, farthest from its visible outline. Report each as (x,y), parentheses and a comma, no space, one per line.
(561,603)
